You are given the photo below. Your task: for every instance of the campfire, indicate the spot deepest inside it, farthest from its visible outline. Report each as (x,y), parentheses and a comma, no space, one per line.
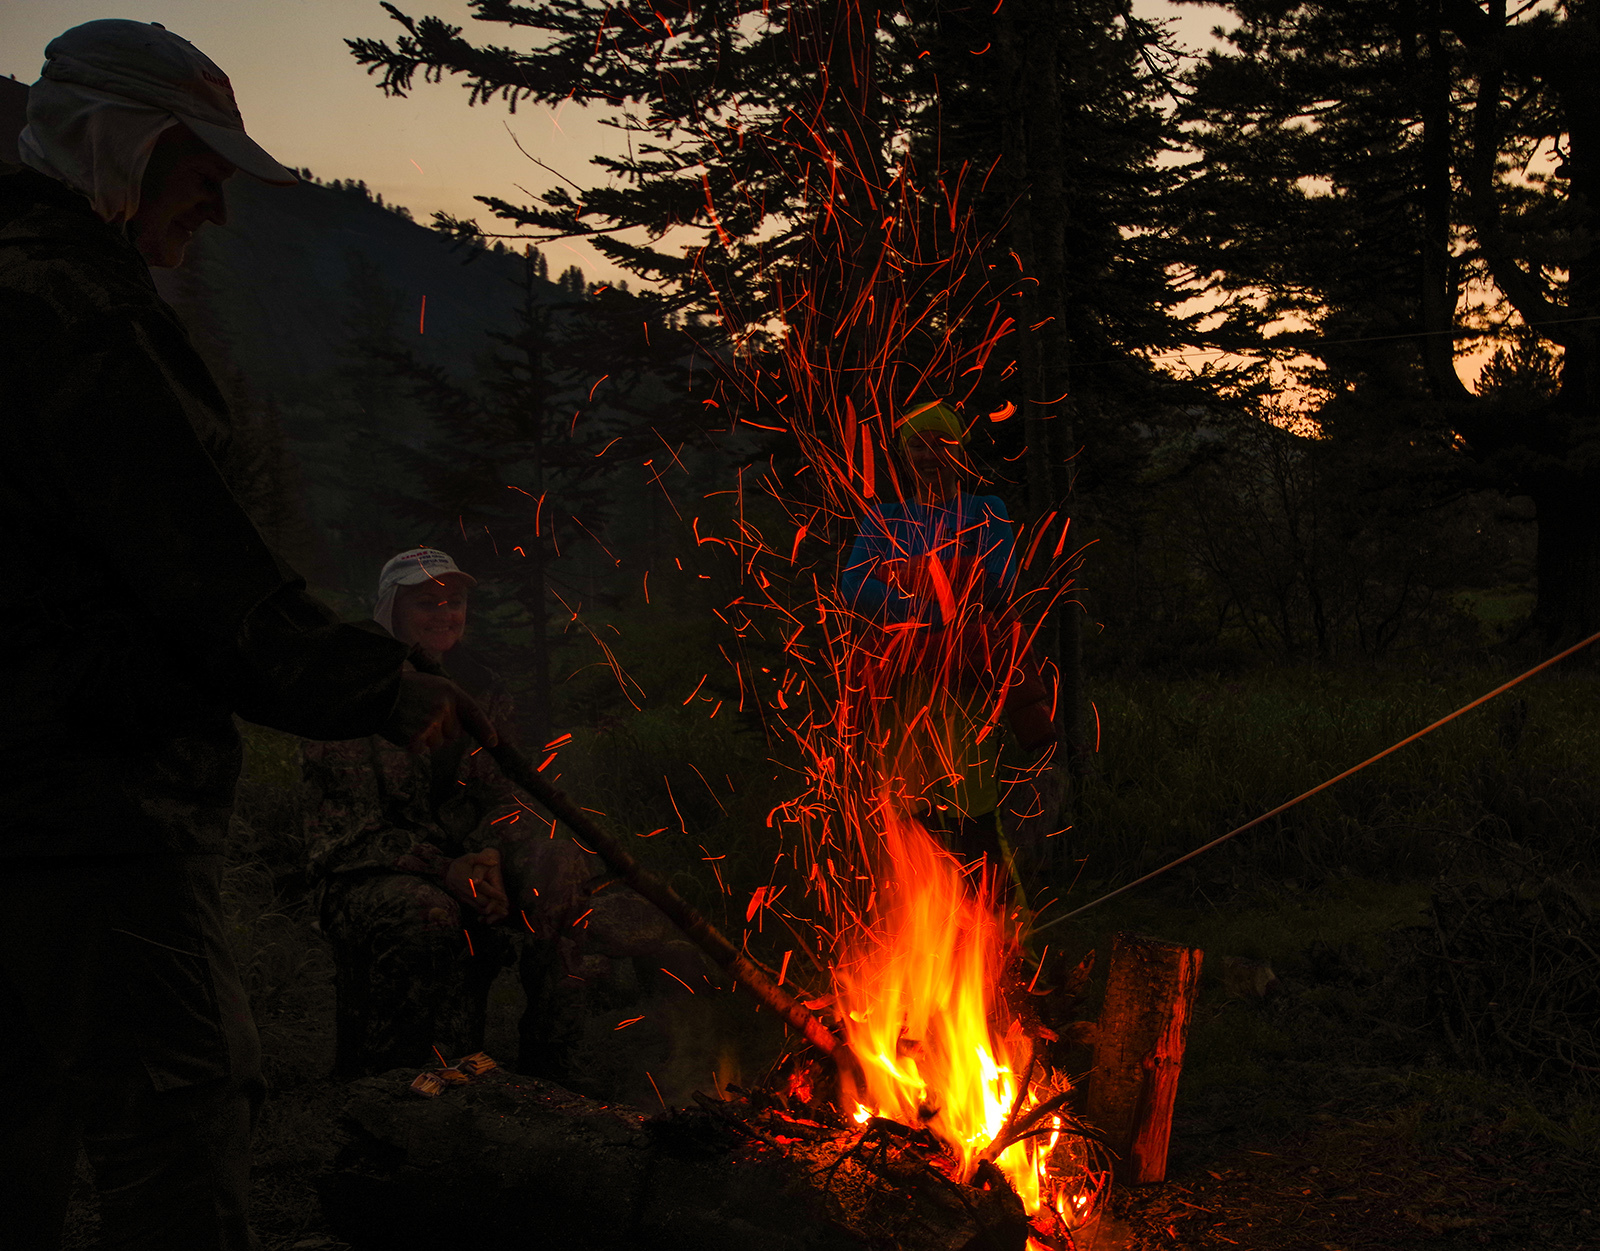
(922,1069)
(931,1110)
(924,1105)
(917,997)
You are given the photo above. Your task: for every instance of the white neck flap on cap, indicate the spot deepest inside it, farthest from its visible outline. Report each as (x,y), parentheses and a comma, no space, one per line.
(93,141)
(383,613)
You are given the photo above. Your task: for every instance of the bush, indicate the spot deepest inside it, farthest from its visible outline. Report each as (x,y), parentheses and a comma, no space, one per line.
(267,826)
(1512,977)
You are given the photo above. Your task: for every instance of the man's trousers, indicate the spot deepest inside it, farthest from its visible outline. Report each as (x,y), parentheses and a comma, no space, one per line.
(126,1030)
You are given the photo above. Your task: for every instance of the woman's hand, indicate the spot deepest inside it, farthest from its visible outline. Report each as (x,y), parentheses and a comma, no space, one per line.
(474,879)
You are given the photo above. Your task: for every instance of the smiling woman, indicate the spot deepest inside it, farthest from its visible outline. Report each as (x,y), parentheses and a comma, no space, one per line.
(432,616)
(422,600)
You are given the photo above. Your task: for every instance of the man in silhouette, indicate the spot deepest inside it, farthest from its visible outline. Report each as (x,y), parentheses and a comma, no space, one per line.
(146,613)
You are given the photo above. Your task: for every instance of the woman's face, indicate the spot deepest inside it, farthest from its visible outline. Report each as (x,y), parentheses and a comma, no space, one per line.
(432,614)
(936,464)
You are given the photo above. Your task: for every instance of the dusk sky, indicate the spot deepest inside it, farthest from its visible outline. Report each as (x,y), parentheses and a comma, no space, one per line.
(308,103)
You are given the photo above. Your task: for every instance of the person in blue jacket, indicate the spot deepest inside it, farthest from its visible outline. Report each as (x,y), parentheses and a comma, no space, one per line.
(932,573)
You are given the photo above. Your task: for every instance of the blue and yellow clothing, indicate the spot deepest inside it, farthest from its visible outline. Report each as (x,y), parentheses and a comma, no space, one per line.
(933,739)
(971,527)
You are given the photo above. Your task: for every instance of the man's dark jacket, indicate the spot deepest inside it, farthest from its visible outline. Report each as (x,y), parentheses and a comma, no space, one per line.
(142,607)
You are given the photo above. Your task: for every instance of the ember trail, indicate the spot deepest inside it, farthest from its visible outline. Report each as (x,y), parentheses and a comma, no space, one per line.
(917,696)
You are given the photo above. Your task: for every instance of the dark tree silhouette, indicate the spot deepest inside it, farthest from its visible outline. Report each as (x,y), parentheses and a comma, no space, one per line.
(514,464)
(1361,165)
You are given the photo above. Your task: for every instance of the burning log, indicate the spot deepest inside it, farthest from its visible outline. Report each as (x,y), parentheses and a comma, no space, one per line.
(1138,1051)
(507,1160)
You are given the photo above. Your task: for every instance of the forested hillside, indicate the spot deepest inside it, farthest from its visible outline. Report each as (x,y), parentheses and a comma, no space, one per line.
(281,301)
(394,386)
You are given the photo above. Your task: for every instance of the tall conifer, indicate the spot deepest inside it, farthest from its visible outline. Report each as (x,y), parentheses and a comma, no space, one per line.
(1365,167)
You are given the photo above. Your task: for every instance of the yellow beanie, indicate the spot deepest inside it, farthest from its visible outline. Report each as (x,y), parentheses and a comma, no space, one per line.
(935,415)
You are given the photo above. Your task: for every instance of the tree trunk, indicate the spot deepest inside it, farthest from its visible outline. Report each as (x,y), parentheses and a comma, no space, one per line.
(1567,563)
(1030,42)
(1431,80)
(1557,441)
(1568,559)
(538,716)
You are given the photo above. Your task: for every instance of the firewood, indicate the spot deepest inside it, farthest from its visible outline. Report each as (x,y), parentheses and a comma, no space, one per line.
(1138,1054)
(512,1161)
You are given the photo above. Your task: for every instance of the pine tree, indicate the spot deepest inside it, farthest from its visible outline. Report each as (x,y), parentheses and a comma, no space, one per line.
(1068,105)
(1361,164)
(840,197)
(512,471)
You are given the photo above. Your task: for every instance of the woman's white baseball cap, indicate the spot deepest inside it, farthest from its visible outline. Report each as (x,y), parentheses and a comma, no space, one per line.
(411,568)
(419,564)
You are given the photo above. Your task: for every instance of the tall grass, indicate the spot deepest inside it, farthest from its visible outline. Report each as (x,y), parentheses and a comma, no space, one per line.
(1182,762)
(283,961)
(1374,899)
(690,794)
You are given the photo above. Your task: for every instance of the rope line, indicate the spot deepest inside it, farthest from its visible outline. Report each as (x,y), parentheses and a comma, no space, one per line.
(1267,816)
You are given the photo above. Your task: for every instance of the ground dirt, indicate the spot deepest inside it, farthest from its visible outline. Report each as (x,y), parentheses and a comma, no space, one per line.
(1346,1185)
(1338,1110)
(1303,1122)
(1385,1170)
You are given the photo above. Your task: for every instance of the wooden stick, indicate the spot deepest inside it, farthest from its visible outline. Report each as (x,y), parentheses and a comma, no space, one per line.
(683,914)
(1002,1139)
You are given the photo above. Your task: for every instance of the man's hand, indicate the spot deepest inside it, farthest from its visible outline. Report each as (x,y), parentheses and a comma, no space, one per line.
(432,711)
(474,879)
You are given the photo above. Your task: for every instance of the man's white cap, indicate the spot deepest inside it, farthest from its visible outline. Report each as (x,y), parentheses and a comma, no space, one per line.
(411,568)
(146,63)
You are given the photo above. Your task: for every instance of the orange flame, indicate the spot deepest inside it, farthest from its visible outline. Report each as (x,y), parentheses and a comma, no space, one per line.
(916,992)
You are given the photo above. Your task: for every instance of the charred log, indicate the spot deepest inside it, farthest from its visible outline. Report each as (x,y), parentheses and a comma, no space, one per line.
(507,1159)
